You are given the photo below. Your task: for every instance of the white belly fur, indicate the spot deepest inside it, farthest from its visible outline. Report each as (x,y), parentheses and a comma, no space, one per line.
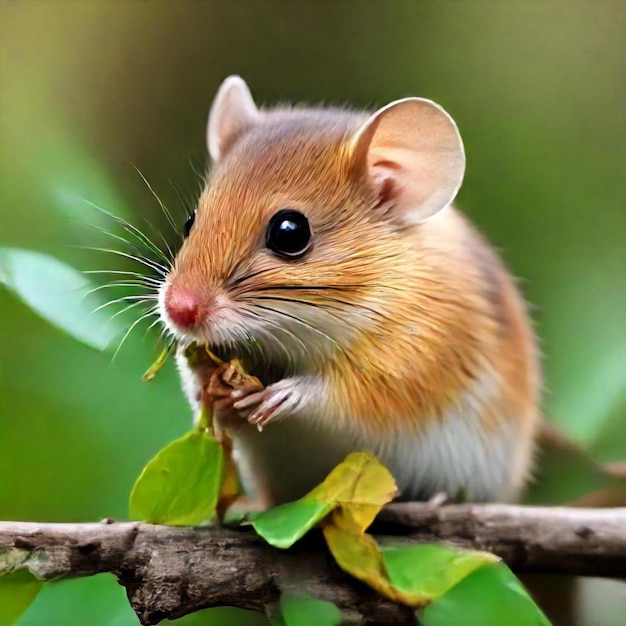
(455,455)
(291,457)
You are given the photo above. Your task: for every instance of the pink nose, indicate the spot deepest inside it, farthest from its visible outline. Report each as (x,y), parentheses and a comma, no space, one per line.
(183,307)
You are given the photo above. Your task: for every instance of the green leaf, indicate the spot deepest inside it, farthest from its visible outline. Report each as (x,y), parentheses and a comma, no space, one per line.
(218,616)
(181,485)
(57,293)
(430,570)
(283,525)
(490,596)
(308,611)
(357,488)
(17,591)
(94,600)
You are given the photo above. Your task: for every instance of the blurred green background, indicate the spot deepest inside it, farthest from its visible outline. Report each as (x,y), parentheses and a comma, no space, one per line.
(90,89)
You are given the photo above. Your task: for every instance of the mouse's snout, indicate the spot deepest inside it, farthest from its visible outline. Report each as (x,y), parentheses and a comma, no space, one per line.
(184,307)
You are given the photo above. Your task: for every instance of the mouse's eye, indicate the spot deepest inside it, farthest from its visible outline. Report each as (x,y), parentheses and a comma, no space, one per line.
(188,224)
(288,234)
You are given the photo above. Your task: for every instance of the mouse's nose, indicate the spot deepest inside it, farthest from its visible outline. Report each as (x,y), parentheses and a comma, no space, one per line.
(183,306)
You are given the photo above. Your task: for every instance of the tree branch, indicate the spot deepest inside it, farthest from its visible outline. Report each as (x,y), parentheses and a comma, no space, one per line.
(564,540)
(170,571)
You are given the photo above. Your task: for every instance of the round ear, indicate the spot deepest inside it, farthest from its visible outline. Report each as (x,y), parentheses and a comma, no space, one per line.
(233,111)
(414,157)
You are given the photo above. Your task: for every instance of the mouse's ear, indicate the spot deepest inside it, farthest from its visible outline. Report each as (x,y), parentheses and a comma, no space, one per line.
(233,111)
(414,157)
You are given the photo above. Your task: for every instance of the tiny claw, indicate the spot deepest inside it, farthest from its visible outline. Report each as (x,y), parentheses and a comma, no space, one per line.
(266,410)
(249,400)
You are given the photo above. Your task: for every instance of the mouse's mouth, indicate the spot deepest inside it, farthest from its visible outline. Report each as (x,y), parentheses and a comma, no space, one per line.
(266,368)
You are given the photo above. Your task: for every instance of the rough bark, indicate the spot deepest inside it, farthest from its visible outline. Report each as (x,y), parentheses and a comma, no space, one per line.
(169,571)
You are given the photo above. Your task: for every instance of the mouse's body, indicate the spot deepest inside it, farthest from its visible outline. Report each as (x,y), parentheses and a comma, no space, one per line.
(326,255)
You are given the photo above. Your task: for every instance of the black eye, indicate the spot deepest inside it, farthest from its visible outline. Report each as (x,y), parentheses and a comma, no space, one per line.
(188,224)
(288,234)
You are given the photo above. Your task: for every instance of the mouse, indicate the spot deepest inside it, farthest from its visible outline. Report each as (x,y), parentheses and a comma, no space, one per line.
(325,253)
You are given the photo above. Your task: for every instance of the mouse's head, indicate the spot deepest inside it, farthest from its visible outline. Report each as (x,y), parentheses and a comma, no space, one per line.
(297,238)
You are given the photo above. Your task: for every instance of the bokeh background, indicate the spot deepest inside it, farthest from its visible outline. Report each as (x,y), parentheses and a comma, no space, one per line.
(91,89)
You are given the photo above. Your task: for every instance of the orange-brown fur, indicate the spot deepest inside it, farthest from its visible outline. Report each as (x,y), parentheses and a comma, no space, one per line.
(438,326)
(417,315)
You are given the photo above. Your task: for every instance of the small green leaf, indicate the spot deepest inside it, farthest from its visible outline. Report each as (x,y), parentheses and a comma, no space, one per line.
(181,485)
(17,591)
(490,596)
(360,485)
(57,293)
(308,611)
(429,570)
(283,525)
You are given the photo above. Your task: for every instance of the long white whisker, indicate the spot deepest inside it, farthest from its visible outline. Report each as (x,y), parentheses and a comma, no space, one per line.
(156,321)
(119,284)
(273,339)
(163,332)
(301,302)
(170,252)
(263,320)
(142,298)
(148,279)
(130,330)
(156,197)
(126,308)
(133,244)
(131,229)
(301,322)
(153,265)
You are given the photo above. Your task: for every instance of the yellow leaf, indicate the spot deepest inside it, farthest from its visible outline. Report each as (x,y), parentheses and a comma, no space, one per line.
(359,479)
(358,555)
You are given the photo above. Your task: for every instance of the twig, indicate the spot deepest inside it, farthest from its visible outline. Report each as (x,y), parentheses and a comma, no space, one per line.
(169,571)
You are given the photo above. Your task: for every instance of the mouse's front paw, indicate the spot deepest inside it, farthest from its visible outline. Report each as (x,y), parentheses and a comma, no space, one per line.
(273,403)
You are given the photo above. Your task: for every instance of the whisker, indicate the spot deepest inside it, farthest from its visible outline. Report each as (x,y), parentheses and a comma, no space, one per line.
(281,329)
(149,279)
(156,321)
(119,283)
(142,298)
(161,334)
(317,307)
(130,228)
(263,320)
(126,308)
(200,175)
(170,252)
(130,330)
(341,306)
(301,322)
(188,204)
(243,279)
(332,287)
(165,210)
(157,267)
(132,244)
